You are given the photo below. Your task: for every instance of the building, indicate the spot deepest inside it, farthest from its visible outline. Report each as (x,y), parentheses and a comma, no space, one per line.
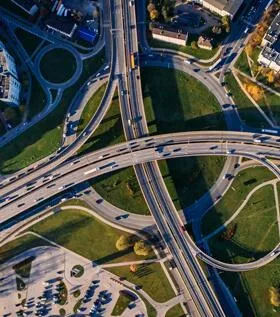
(270,54)
(222,7)
(205,43)
(168,34)
(26,5)
(9,84)
(63,25)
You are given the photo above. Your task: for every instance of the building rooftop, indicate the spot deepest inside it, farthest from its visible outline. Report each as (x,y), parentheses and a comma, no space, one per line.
(27,5)
(168,31)
(230,6)
(273,32)
(62,24)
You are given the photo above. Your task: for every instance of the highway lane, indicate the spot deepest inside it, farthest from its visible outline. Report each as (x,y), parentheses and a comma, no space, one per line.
(64,153)
(79,175)
(135,125)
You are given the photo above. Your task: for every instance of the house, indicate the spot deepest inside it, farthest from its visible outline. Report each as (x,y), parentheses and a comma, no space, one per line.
(9,84)
(26,5)
(63,25)
(205,43)
(270,54)
(222,7)
(169,34)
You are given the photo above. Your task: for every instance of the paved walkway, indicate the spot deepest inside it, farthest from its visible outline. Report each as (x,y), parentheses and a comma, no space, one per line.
(241,207)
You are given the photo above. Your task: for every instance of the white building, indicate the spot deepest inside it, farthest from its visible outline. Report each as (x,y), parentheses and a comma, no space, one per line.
(222,7)
(270,54)
(170,35)
(9,84)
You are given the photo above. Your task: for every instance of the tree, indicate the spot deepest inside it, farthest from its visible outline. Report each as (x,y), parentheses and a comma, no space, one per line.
(154,14)
(274,294)
(193,44)
(124,242)
(226,23)
(256,92)
(141,248)
(151,7)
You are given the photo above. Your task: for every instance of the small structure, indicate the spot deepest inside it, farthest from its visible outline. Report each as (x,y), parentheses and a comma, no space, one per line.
(270,54)
(63,25)
(9,84)
(169,34)
(26,5)
(86,34)
(205,43)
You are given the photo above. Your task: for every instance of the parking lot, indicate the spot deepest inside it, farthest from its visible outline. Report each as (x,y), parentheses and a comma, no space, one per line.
(52,288)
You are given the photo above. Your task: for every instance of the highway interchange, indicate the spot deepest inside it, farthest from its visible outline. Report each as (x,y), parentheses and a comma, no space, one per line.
(25,190)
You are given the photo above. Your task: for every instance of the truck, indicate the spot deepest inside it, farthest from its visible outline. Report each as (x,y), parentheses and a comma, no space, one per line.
(132,61)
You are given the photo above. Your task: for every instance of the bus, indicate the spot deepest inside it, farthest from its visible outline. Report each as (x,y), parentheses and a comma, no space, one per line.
(132,63)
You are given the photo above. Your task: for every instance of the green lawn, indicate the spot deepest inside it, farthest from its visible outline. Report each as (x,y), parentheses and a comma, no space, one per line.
(187,179)
(58,65)
(86,235)
(242,185)
(269,103)
(195,52)
(121,189)
(256,230)
(242,63)
(150,277)
(44,138)
(247,111)
(19,245)
(121,304)
(175,311)
(175,102)
(91,108)
(251,289)
(37,99)
(28,40)
(109,132)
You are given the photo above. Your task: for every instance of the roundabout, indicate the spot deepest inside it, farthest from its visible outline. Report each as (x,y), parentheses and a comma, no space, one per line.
(58,66)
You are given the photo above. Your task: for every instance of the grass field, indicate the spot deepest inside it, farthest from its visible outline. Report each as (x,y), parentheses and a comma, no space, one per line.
(256,234)
(58,65)
(19,245)
(121,305)
(195,52)
(248,112)
(150,277)
(44,138)
(86,235)
(91,108)
(256,230)
(121,189)
(175,311)
(242,63)
(243,183)
(29,41)
(176,102)
(187,179)
(251,289)
(109,132)
(269,103)
(37,98)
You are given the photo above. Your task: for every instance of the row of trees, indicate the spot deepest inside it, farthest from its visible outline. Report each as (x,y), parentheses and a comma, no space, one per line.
(161,9)
(140,247)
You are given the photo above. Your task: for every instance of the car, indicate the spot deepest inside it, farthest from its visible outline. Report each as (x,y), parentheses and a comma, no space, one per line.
(196,70)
